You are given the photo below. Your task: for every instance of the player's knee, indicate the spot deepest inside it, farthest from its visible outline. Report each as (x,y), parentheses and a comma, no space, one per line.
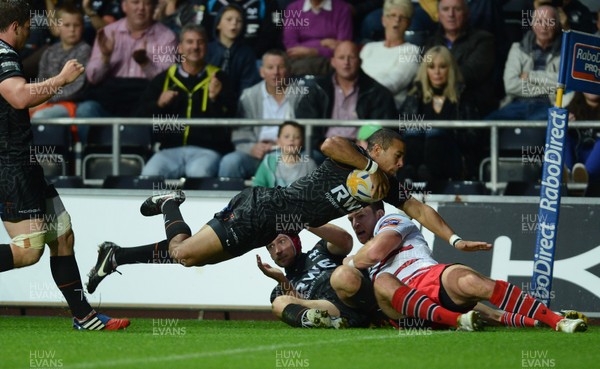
(58,229)
(30,248)
(279,304)
(26,257)
(181,254)
(385,285)
(472,285)
(345,278)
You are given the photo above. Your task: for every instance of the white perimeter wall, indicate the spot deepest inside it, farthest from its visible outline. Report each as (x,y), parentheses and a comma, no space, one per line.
(114,216)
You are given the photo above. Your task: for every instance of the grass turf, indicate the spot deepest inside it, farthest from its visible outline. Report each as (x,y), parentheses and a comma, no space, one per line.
(36,342)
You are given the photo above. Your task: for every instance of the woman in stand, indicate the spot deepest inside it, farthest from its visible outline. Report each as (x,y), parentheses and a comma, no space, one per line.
(438,94)
(393,62)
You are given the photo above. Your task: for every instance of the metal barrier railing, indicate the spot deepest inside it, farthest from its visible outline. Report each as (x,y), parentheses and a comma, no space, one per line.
(309,124)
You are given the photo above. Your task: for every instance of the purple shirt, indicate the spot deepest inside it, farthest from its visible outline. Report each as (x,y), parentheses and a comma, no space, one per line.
(161,47)
(305,28)
(344,108)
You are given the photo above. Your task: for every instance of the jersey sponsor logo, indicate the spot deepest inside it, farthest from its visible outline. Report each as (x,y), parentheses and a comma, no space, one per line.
(391,222)
(8,66)
(6,51)
(340,197)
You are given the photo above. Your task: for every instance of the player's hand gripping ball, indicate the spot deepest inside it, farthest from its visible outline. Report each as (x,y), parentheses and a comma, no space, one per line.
(359,185)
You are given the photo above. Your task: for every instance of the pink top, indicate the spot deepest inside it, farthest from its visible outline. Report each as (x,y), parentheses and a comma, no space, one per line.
(161,47)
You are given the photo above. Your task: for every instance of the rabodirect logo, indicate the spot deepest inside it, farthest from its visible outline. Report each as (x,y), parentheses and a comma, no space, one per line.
(586,63)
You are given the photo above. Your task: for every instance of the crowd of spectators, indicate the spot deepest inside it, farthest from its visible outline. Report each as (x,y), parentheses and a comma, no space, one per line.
(412,61)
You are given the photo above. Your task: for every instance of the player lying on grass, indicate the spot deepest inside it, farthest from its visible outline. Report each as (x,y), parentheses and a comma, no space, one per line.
(409,282)
(303,296)
(252,217)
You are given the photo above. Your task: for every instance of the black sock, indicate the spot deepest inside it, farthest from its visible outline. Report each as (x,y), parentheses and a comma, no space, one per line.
(66,276)
(155,253)
(364,298)
(174,223)
(6,258)
(292,314)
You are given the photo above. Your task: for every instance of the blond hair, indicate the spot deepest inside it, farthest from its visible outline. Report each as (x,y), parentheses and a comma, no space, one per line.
(454,75)
(405,5)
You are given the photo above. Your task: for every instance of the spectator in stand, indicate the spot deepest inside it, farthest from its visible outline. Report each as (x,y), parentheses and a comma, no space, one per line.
(531,70)
(489,16)
(273,98)
(286,164)
(346,94)
(98,14)
(393,62)
(70,46)
(312,29)
(40,37)
(423,23)
(434,153)
(366,16)
(190,89)
(582,147)
(262,31)
(572,14)
(126,55)
(472,49)
(177,13)
(229,52)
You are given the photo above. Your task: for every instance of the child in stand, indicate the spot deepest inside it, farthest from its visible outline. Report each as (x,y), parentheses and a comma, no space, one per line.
(230,52)
(70,46)
(285,165)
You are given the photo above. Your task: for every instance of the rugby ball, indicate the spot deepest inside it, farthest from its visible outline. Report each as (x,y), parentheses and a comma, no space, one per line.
(359,185)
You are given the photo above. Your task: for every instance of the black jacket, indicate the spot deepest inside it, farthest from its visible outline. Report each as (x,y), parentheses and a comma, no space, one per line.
(374,100)
(466,108)
(169,121)
(474,52)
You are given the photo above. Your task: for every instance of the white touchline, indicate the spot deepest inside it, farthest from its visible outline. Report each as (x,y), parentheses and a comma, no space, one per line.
(124,362)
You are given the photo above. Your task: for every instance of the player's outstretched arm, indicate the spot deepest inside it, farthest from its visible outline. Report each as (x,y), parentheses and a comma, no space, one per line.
(339,241)
(432,220)
(22,95)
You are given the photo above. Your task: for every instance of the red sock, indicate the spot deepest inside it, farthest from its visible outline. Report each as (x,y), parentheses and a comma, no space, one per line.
(509,297)
(516,320)
(410,302)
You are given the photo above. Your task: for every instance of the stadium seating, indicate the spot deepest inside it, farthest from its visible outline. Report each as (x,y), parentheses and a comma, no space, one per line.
(52,147)
(457,188)
(136,147)
(66,181)
(134,182)
(528,189)
(218,183)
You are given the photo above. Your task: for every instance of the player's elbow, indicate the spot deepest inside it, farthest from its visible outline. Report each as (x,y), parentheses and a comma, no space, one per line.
(347,243)
(17,103)
(20,106)
(330,145)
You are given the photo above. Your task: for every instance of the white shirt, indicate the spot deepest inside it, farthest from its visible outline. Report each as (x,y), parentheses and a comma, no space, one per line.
(411,255)
(394,67)
(325,5)
(272,110)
